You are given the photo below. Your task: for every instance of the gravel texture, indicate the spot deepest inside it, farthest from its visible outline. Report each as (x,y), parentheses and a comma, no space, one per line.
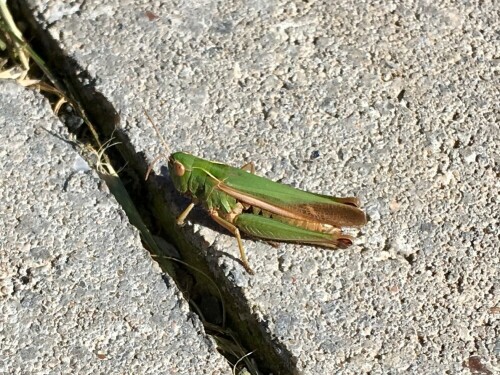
(78,292)
(395,102)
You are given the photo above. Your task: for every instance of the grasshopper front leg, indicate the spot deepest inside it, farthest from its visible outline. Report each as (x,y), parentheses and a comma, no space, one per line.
(235,232)
(183,215)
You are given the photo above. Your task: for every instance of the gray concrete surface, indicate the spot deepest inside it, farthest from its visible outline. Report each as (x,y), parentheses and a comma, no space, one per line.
(78,292)
(400,100)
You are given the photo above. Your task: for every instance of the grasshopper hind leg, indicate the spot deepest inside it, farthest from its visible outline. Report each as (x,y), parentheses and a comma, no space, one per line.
(268,228)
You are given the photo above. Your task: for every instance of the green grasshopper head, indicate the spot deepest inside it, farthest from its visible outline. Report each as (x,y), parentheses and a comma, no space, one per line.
(180,167)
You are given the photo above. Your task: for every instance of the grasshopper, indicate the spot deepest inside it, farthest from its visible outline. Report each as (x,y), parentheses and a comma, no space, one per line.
(241,201)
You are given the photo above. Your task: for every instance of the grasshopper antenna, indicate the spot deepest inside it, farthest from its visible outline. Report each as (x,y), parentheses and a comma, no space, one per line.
(151,165)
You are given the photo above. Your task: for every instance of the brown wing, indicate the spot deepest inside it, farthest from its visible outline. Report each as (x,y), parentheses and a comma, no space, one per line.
(339,214)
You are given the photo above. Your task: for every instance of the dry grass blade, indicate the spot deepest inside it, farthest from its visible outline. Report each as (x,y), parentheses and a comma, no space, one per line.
(10,27)
(11,73)
(59,104)
(241,359)
(103,164)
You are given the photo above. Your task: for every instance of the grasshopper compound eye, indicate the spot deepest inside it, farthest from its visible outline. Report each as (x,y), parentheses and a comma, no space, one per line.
(179,168)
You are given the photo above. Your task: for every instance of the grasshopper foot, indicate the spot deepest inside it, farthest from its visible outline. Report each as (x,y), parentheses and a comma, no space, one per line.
(247,268)
(183,215)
